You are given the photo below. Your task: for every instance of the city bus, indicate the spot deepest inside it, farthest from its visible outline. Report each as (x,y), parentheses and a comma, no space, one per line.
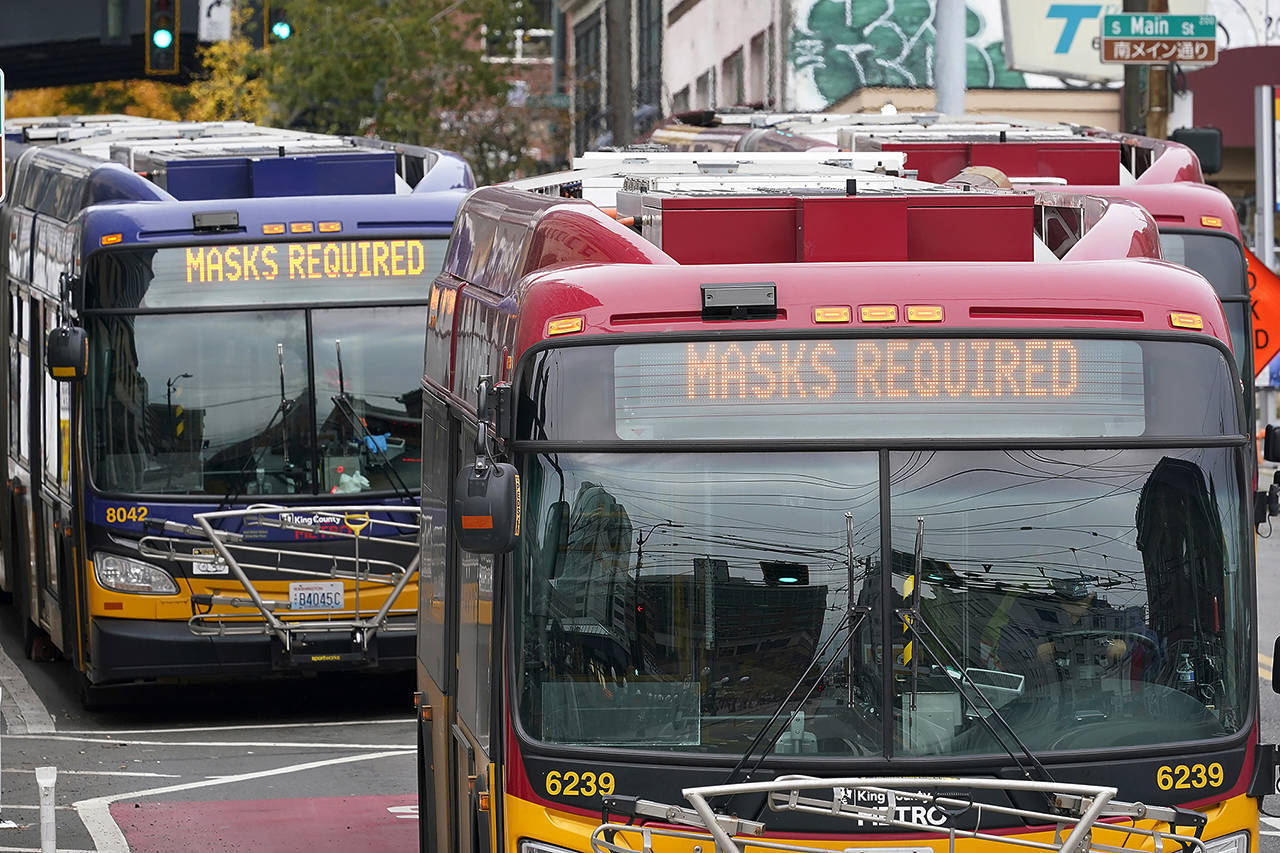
(1197,222)
(203,318)
(864,514)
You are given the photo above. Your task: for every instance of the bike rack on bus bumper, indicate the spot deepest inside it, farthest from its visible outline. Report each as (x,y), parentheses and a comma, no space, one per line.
(1080,814)
(333,523)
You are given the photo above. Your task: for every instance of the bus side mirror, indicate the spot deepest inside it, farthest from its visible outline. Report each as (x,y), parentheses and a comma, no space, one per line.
(1275,682)
(66,354)
(486,507)
(1271,444)
(1266,505)
(1206,142)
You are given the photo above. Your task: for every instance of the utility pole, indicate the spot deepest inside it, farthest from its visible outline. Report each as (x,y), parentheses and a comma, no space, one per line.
(949,68)
(622,113)
(1132,105)
(1158,95)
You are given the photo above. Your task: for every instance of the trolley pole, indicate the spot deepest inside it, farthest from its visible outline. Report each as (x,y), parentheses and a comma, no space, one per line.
(949,70)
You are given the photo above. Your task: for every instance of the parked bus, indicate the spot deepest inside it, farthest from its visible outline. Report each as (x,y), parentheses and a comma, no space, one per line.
(1197,222)
(230,311)
(860,513)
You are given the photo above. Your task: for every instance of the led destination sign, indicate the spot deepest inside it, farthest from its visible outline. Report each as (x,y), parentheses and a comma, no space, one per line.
(882,370)
(352,259)
(880,387)
(249,274)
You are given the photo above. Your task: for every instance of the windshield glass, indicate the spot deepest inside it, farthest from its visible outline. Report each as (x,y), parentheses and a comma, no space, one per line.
(671,601)
(222,403)
(1218,258)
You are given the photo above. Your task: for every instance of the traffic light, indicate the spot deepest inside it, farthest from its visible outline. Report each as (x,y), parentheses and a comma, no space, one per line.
(280,26)
(162,37)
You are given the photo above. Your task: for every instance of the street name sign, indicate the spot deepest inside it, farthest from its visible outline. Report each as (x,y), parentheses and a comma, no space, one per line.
(1154,39)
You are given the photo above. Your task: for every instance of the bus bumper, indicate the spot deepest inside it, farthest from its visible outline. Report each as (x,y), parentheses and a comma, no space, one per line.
(128,650)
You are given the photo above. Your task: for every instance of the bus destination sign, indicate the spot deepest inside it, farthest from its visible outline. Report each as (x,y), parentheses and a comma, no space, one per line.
(347,259)
(845,387)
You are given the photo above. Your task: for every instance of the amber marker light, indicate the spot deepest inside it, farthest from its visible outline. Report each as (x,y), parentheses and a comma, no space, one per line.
(330,227)
(833,314)
(110,239)
(924,313)
(483,801)
(1211,221)
(878,313)
(1182,320)
(300,227)
(273,228)
(565,326)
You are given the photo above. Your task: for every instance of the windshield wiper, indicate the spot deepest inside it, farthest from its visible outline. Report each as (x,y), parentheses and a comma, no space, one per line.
(342,403)
(912,618)
(849,625)
(236,489)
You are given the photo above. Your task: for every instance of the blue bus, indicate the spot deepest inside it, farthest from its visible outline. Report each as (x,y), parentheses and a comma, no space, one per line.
(244,307)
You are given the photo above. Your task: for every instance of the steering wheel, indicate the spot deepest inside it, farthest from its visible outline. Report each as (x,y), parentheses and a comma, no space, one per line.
(1108,635)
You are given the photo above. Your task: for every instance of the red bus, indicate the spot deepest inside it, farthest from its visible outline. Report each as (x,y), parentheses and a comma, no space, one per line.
(1197,222)
(916,490)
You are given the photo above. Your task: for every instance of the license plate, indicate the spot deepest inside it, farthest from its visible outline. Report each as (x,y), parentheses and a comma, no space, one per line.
(208,562)
(316,595)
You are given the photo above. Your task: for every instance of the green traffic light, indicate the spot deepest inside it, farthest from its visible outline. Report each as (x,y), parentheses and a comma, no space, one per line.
(281,30)
(162,38)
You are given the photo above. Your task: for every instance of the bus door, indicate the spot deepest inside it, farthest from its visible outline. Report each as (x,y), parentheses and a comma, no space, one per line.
(437,632)
(50,486)
(469,738)
(21,549)
(50,511)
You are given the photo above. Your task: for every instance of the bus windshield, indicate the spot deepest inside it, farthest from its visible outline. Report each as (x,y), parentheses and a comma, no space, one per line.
(1218,258)
(303,400)
(1097,598)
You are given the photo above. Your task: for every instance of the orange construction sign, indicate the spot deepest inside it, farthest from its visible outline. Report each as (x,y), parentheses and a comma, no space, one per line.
(1264,300)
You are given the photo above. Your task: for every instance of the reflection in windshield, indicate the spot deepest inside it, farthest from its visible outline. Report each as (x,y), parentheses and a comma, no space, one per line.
(675,601)
(1093,597)
(221,404)
(1098,587)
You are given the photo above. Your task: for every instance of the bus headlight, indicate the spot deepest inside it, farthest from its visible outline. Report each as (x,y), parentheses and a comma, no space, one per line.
(124,574)
(1236,842)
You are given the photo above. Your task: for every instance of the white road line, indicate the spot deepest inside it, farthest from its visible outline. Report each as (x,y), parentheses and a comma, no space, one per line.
(31,714)
(37,850)
(107,837)
(1273,822)
(256,744)
(246,727)
(32,771)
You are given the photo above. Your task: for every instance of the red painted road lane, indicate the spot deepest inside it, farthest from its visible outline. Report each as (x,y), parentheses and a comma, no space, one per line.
(347,824)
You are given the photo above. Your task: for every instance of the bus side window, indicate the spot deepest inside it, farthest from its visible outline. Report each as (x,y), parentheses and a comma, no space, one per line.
(433,574)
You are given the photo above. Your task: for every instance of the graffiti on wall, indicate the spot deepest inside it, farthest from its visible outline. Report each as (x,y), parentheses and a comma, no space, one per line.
(840,46)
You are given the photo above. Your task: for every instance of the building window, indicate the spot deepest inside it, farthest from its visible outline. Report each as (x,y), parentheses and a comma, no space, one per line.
(704,91)
(732,90)
(589,118)
(757,82)
(648,64)
(680,101)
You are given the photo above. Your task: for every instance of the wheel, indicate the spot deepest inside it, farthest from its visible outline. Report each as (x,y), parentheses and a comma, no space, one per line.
(92,696)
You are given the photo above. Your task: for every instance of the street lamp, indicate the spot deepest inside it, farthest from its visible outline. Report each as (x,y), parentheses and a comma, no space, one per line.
(168,395)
